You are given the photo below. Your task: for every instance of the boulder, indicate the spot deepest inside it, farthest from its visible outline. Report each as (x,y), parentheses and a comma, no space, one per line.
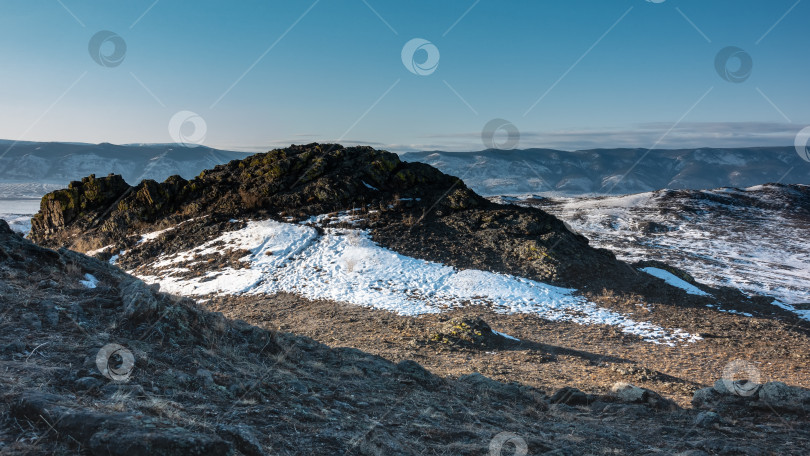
(467,333)
(138,300)
(571,396)
(782,397)
(743,388)
(627,392)
(707,419)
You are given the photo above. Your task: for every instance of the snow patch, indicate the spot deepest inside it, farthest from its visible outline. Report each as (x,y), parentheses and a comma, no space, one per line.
(507,336)
(675,281)
(90,281)
(346,266)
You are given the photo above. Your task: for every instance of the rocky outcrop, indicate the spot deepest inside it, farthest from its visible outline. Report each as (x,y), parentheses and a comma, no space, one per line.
(305,180)
(115,433)
(79,204)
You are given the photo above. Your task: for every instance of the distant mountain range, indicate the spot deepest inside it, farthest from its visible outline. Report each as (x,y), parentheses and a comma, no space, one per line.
(60,163)
(30,169)
(616,171)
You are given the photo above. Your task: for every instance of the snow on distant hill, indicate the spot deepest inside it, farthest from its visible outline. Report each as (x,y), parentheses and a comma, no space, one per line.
(615,171)
(32,169)
(754,239)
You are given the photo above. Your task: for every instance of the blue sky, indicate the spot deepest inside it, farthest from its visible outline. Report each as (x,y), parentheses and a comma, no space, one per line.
(262,74)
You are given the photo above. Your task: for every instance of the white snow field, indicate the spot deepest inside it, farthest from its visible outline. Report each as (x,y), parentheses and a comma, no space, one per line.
(346,266)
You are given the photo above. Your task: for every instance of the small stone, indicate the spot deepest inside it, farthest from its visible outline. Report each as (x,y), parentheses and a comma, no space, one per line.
(707,419)
(704,397)
(205,377)
(629,393)
(298,388)
(16,346)
(127,389)
(32,321)
(87,383)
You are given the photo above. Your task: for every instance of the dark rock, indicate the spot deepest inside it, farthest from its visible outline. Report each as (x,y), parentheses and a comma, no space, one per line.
(782,397)
(742,388)
(692,453)
(707,419)
(126,389)
(75,204)
(78,423)
(131,441)
(87,383)
(205,377)
(571,396)
(50,313)
(16,346)
(113,433)
(76,314)
(138,300)
(243,437)
(48,283)
(32,321)
(653,228)
(298,388)
(705,397)
(634,394)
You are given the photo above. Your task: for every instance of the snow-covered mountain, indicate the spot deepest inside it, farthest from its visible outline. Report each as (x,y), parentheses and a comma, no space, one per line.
(616,171)
(32,169)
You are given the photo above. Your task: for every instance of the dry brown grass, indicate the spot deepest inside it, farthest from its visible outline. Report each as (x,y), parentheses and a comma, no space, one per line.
(84,245)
